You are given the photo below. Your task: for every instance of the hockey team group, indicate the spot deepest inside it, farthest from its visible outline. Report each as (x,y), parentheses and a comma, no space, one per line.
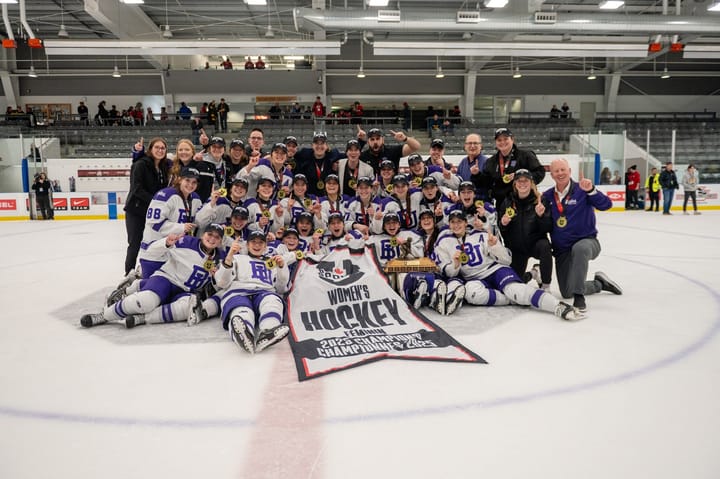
(219,233)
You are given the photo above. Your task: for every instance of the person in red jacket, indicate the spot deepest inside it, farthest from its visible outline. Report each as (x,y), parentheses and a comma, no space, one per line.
(318,109)
(632,186)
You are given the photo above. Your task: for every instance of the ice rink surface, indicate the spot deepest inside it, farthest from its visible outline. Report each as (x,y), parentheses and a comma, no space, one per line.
(631,392)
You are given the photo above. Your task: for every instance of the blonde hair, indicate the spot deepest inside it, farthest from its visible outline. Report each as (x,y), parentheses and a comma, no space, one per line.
(176,163)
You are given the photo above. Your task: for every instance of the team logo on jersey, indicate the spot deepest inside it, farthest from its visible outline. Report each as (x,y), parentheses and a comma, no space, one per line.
(339,274)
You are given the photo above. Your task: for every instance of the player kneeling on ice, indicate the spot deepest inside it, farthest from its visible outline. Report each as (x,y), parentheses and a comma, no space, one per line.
(252,308)
(476,266)
(188,264)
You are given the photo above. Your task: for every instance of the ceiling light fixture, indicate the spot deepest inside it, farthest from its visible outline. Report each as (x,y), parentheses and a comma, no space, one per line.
(62,33)
(517,73)
(591,76)
(665,75)
(269,32)
(167,33)
(439,73)
(611,4)
(256,2)
(467,36)
(496,3)
(133,2)
(361,73)
(116,72)
(378,3)
(32,73)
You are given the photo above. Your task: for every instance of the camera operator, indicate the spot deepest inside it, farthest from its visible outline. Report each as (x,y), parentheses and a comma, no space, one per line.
(43,187)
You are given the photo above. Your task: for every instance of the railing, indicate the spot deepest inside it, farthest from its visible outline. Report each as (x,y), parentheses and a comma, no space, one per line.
(540,115)
(663,116)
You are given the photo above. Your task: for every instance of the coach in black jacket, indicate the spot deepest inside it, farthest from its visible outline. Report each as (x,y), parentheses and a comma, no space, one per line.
(500,168)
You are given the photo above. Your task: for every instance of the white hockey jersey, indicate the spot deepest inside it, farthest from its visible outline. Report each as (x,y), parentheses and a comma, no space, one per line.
(385,250)
(257,209)
(482,259)
(185,264)
(168,212)
(250,275)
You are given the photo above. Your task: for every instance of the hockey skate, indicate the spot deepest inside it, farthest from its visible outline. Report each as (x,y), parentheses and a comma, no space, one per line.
(455,300)
(568,313)
(196,312)
(133,320)
(268,337)
(241,334)
(420,294)
(121,290)
(535,274)
(90,320)
(607,283)
(437,300)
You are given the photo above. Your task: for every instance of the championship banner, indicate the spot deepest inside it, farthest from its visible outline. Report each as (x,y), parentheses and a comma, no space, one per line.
(343,313)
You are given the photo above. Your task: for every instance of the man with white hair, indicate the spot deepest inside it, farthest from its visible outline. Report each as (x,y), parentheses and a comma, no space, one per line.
(574,234)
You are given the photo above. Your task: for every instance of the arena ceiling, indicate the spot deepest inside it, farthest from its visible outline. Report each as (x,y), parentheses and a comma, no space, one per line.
(539,37)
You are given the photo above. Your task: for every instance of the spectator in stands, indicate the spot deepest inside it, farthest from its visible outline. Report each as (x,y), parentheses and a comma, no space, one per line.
(605,176)
(71,182)
(56,186)
(616,180)
(197,130)
(249,65)
(184,112)
(406,116)
(149,116)
(126,119)
(30,114)
(212,114)
(690,182)
(203,111)
(296,111)
(222,112)
(501,167)
(632,186)
(377,151)
(357,111)
(148,175)
(318,109)
(669,183)
(102,114)
(259,64)
(139,114)
(114,116)
(307,114)
(227,64)
(207,65)
(652,189)
(163,114)
(555,112)
(565,110)
(434,125)
(83,113)
(574,234)
(275,111)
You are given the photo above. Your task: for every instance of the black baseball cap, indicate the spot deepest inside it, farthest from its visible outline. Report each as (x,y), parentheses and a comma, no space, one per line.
(352,144)
(388,217)
(374,132)
(387,164)
(300,177)
(237,142)
(319,136)
(437,143)
(189,173)
(457,214)
(429,180)
(290,139)
(335,215)
(522,173)
(304,215)
(466,185)
(291,231)
(429,213)
(215,228)
(365,180)
(257,235)
(414,158)
(241,181)
(240,211)
(279,146)
(397,179)
(217,140)
(503,131)
(332,177)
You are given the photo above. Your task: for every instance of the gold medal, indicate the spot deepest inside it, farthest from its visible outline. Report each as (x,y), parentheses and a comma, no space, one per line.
(464,258)
(561,222)
(222,192)
(266,213)
(319,231)
(389,188)
(270,263)
(229,230)
(507,178)
(281,194)
(478,204)
(320,185)
(307,202)
(510,212)
(299,254)
(209,265)
(417,181)
(353,183)
(393,241)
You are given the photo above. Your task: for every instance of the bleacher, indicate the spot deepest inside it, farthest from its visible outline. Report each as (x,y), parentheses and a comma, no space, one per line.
(697,137)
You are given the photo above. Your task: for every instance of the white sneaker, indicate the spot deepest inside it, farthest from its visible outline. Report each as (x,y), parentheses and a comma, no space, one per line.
(455,300)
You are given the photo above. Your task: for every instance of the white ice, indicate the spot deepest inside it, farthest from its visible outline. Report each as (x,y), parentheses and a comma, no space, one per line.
(631,392)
